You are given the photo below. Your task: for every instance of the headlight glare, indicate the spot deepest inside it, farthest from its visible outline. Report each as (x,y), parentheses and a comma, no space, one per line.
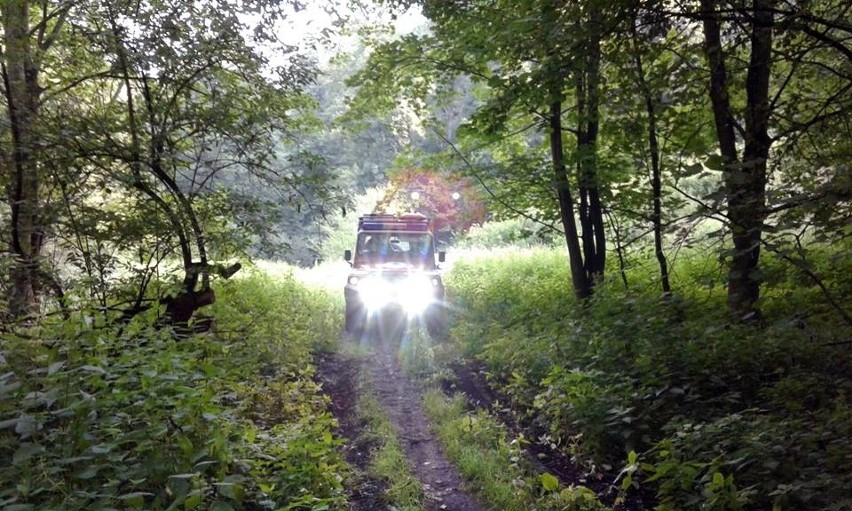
(413,294)
(416,295)
(375,293)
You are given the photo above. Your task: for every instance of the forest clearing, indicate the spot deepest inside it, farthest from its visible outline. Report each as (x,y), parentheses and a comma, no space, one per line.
(549,255)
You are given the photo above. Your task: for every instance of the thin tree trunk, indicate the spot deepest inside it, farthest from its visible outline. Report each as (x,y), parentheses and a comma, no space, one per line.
(747,196)
(22,96)
(587,87)
(596,210)
(656,170)
(722,117)
(157,152)
(136,152)
(619,249)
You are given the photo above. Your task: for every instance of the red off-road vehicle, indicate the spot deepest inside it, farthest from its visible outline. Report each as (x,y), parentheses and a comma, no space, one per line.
(394,277)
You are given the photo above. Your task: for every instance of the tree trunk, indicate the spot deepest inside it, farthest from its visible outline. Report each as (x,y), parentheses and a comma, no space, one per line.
(22,96)
(582,286)
(722,116)
(157,156)
(155,164)
(587,84)
(745,182)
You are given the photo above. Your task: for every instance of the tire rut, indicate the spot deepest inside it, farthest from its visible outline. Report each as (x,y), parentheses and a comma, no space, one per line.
(470,380)
(401,400)
(339,376)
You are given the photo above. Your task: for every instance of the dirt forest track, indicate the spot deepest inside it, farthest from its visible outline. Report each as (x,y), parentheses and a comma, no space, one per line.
(401,401)
(341,376)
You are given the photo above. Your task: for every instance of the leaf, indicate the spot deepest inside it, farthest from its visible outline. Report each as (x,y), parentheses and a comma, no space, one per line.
(9,387)
(89,472)
(54,367)
(101,448)
(714,162)
(691,170)
(26,452)
(93,369)
(221,505)
(70,461)
(27,426)
(193,501)
(549,481)
(135,499)
(230,490)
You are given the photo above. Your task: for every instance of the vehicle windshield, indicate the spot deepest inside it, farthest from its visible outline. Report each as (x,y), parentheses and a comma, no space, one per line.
(413,248)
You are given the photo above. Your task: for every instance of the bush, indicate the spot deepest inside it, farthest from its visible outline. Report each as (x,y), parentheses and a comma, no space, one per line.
(516,232)
(794,462)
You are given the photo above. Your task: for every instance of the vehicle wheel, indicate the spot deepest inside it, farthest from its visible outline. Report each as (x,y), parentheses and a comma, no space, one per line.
(436,322)
(354,320)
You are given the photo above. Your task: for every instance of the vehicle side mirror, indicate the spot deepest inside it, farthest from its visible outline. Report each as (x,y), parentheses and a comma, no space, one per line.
(347,255)
(442,256)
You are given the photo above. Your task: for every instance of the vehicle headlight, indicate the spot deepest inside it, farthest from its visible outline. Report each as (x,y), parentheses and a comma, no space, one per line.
(416,294)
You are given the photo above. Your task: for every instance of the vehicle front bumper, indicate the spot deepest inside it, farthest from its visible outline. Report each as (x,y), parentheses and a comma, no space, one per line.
(412,294)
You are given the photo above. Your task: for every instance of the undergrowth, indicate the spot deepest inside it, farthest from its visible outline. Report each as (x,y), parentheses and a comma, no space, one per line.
(94,416)
(495,465)
(718,414)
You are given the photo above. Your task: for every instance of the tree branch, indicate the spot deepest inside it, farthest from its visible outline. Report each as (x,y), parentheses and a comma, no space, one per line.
(488,190)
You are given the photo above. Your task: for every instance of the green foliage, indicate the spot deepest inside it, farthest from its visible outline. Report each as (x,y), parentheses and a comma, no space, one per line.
(725,415)
(99,417)
(340,228)
(572,498)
